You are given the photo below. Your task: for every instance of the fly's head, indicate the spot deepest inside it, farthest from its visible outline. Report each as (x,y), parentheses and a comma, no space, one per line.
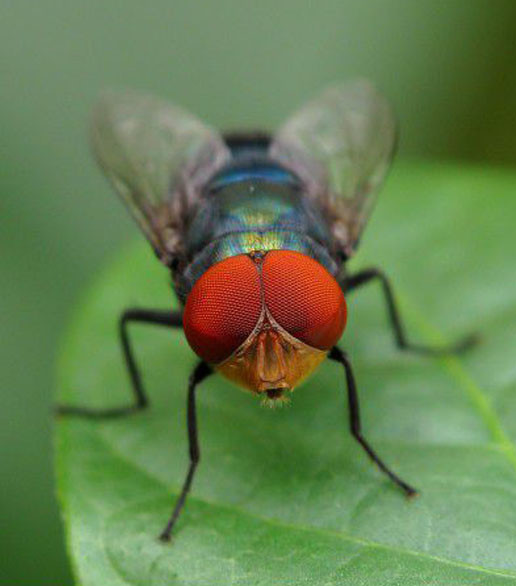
(265,321)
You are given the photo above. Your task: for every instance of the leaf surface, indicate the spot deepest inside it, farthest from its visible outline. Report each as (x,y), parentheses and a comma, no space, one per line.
(286,496)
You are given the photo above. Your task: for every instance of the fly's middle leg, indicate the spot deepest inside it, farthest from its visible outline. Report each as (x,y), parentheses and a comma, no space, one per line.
(373,274)
(141,401)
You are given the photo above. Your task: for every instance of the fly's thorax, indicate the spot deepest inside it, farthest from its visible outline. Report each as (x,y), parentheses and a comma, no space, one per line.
(265,320)
(252,215)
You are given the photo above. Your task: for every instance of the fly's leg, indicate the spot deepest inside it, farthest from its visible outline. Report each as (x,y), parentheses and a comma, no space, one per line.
(201,372)
(339,356)
(367,275)
(146,316)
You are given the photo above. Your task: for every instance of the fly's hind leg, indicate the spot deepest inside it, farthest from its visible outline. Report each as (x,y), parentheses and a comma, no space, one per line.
(366,276)
(146,316)
(339,356)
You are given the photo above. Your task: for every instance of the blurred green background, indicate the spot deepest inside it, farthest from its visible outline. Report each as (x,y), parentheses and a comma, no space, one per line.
(448,66)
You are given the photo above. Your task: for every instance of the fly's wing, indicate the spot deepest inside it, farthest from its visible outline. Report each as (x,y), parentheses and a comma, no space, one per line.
(341,144)
(158,157)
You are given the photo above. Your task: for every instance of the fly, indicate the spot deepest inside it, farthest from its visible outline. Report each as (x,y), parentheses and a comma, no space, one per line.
(256,230)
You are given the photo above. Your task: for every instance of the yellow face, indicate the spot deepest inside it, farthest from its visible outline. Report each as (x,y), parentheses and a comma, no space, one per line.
(271,361)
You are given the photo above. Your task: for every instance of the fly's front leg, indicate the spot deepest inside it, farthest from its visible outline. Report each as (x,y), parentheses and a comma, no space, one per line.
(368,275)
(201,372)
(147,316)
(339,356)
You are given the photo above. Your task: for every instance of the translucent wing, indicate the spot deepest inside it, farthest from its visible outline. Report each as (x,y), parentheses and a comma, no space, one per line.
(157,156)
(341,145)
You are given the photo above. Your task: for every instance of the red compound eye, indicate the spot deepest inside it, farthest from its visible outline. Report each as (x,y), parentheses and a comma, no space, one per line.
(223,308)
(304,298)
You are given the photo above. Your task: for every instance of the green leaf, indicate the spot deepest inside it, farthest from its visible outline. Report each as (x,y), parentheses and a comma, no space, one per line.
(286,496)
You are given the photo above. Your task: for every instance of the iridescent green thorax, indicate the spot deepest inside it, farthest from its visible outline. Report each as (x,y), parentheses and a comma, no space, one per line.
(241,213)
